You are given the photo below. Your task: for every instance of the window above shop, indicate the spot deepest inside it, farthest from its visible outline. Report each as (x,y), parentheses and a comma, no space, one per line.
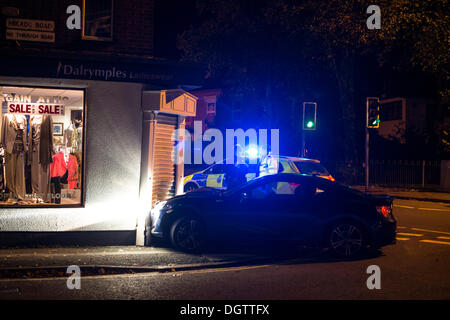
(211,108)
(98,20)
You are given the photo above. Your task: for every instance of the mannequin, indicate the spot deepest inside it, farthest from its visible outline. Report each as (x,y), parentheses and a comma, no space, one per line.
(40,142)
(13,137)
(79,129)
(70,136)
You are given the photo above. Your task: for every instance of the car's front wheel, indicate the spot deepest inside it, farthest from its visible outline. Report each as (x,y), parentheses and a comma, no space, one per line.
(187,234)
(347,239)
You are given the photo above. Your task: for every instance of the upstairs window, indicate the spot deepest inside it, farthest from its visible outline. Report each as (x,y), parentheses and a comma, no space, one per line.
(211,108)
(98,20)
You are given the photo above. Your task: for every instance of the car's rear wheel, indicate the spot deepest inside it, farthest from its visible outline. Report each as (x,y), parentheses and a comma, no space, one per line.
(190,187)
(347,239)
(187,234)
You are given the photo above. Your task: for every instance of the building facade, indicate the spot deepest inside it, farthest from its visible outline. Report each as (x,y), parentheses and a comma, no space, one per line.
(401,115)
(88,117)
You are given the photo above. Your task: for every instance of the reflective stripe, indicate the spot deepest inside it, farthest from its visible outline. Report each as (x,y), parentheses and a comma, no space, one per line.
(214,180)
(186,179)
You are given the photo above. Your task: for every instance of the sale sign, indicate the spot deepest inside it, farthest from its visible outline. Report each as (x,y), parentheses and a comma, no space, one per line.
(36,108)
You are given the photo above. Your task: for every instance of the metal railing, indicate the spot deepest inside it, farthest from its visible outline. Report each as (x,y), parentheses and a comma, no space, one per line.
(405,173)
(413,174)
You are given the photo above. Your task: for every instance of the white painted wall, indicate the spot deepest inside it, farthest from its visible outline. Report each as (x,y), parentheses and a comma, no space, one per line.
(113,162)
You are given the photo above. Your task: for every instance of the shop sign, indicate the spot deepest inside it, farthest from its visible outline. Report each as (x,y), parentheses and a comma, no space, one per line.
(25,35)
(28,24)
(30,30)
(141,71)
(36,108)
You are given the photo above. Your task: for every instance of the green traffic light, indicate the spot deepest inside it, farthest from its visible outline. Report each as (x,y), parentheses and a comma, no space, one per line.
(375,122)
(310,124)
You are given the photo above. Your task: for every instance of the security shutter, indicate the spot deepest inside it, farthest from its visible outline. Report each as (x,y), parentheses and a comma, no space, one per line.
(163,185)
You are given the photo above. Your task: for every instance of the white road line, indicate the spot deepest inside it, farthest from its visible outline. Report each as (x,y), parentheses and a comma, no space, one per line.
(398,238)
(410,234)
(444,238)
(437,242)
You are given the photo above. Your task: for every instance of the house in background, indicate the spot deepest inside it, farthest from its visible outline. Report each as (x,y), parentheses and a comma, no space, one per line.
(206,108)
(399,116)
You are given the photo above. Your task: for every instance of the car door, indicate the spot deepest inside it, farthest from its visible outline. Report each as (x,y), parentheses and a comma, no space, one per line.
(291,211)
(214,176)
(244,213)
(267,209)
(316,202)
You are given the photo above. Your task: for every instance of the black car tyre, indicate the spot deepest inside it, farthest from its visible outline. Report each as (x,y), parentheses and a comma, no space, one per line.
(347,239)
(187,234)
(190,187)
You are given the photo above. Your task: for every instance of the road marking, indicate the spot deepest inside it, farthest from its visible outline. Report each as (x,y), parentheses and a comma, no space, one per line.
(426,209)
(444,238)
(410,234)
(401,227)
(398,238)
(226,269)
(417,229)
(432,209)
(437,242)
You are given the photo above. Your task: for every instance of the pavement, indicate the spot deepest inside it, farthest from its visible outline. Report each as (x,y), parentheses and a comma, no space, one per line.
(409,194)
(43,262)
(31,262)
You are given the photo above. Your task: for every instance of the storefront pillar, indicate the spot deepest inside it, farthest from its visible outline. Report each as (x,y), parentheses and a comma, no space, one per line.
(162,160)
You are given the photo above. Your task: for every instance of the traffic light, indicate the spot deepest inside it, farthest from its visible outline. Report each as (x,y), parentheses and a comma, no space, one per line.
(373,113)
(309,115)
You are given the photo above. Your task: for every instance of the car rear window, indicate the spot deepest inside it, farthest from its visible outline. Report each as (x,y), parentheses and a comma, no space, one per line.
(312,168)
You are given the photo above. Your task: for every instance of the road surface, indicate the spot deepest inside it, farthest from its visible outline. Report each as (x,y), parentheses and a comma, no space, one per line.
(417,267)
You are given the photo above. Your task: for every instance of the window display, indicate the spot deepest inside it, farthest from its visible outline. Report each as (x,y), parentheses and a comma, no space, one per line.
(41,146)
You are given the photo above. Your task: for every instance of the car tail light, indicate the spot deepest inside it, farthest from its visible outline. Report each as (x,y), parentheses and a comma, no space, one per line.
(384,210)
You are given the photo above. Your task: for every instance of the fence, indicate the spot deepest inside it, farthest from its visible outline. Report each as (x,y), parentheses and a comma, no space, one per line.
(417,174)
(405,173)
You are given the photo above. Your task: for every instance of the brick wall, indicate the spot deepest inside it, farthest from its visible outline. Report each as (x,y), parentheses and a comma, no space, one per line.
(133,30)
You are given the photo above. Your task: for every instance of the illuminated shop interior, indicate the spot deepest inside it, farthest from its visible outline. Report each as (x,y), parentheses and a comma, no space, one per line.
(41,146)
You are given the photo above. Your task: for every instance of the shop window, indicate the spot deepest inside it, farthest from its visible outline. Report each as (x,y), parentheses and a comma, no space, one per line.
(98,20)
(41,146)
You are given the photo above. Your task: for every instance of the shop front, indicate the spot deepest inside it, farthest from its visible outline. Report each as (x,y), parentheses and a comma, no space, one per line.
(84,152)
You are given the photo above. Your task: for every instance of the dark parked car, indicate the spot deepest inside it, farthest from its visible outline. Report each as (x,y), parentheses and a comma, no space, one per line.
(283,206)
